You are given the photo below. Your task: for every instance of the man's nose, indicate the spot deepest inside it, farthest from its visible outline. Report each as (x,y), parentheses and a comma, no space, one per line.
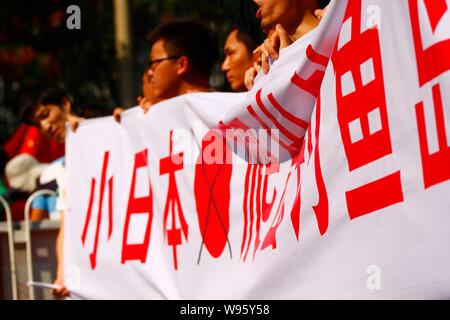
(150,72)
(45,126)
(225,65)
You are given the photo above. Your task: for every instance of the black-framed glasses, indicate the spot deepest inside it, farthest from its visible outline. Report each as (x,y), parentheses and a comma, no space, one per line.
(151,63)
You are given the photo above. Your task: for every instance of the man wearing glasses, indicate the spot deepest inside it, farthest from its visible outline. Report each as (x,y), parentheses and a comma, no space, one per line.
(183,53)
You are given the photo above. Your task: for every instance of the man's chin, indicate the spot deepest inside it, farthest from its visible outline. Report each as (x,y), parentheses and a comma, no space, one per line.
(267,28)
(238,87)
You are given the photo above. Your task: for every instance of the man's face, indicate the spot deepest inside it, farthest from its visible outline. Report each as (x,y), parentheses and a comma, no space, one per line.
(273,12)
(147,88)
(237,60)
(163,74)
(52,119)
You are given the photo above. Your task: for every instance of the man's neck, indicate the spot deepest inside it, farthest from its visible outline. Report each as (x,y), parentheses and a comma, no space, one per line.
(71,117)
(307,24)
(199,85)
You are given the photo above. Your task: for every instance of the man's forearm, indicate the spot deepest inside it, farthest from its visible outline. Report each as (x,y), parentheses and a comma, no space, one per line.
(60,249)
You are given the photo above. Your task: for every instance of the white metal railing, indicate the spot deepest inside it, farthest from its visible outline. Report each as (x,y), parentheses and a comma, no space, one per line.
(28,235)
(12,255)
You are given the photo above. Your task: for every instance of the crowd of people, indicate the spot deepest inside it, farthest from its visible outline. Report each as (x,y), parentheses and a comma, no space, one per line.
(181,59)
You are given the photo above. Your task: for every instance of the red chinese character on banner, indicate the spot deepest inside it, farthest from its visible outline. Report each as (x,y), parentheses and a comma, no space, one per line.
(257,210)
(436,165)
(295,212)
(93,255)
(138,207)
(255,207)
(321,208)
(212,193)
(432,45)
(432,55)
(270,239)
(313,83)
(274,116)
(169,165)
(362,112)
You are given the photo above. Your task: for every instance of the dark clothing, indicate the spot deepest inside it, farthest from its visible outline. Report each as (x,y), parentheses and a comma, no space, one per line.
(243,14)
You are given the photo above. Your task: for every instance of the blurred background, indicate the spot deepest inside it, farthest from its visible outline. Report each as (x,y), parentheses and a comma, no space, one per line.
(100,64)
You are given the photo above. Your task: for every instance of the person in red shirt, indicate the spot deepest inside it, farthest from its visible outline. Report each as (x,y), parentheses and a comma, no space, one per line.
(51,111)
(28,139)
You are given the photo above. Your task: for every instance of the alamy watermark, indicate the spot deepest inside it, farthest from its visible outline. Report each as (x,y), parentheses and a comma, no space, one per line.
(72,277)
(73,22)
(373,282)
(227,146)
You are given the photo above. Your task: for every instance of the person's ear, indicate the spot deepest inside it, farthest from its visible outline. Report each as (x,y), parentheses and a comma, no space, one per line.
(67,105)
(183,65)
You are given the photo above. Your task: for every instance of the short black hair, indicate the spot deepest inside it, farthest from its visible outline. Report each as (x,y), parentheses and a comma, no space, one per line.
(323,3)
(245,38)
(48,94)
(189,37)
(54,94)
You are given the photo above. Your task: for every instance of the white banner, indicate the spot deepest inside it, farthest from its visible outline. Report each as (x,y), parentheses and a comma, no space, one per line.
(357,112)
